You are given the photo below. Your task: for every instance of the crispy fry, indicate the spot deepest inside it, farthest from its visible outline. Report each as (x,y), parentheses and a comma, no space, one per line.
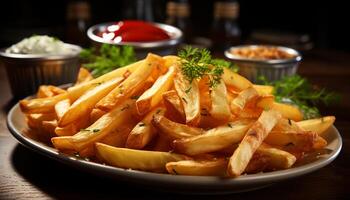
(73,127)
(318,126)
(172,129)
(49,91)
(189,94)
(136,159)
(83,76)
(49,126)
(264,89)
(288,111)
(104,125)
(35,120)
(220,108)
(84,105)
(153,96)
(131,84)
(96,114)
(215,167)
(246,97)
(144,131)
(61,108)
(214,139)
(251,141)
(174,108)
(41,105)
(235,80)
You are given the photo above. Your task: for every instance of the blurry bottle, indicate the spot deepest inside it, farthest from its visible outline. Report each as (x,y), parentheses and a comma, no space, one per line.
(178,15)
(78,16)
(225,29)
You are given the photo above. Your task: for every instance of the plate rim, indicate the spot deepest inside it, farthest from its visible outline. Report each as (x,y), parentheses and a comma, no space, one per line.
(159,179)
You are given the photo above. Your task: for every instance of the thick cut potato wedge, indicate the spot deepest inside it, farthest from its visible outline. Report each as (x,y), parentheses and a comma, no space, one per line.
(132,84)
(267,158)
(288,111)
(76,91)
(98,130)
(153,96)
(174,109)
(35,120)
(189,95)
(83,76)
(318,126)
(264,89)
(232,79)
(251,142)
(136,159)
(220,108)
(214,139)
(41,105)
(215,167)
(246,97)
(84,104)
(61,108)
(96,114)
(174,130)
(49,91)
(73,127)
(144,131)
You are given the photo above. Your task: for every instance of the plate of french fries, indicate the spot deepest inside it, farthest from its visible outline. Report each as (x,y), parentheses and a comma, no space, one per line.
(147,123)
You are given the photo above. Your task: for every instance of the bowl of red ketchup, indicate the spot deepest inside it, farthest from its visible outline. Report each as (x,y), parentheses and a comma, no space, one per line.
(145,37)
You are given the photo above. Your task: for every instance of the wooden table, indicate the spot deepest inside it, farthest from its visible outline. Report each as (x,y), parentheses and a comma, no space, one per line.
(28,175)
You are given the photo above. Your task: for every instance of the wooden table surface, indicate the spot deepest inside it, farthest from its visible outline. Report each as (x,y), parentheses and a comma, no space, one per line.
(27,175)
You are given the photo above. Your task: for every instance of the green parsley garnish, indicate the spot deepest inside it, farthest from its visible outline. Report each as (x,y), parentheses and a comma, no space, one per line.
(107,59)
(298,91)
(197,63)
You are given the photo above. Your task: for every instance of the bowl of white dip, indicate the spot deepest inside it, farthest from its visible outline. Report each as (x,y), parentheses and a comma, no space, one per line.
(39,60)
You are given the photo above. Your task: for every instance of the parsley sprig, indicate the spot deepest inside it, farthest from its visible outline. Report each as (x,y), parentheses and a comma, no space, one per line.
(107,59)
(298,91)
(197,63)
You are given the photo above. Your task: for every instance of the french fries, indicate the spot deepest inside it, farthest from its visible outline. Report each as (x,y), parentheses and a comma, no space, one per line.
(153,96)
(149,116)
(131,84)
(251,141)
(136,159)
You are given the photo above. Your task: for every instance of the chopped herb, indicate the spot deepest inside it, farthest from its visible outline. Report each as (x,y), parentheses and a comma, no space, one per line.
(229,125)
(298,91)
(158,111)
(188,90)
(108,58)
(142,124)
(289,122)
(134,97)
(184,99)
(95,130)
(84,129)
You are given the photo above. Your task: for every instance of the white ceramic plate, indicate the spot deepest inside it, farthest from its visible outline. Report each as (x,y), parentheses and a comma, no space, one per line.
(184,184)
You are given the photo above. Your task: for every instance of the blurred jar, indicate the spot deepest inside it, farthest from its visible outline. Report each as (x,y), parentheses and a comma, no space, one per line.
(178,15)
(78,18)
(225,30)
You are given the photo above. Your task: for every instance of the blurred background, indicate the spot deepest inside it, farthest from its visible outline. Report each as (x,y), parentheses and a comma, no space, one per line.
(215,24)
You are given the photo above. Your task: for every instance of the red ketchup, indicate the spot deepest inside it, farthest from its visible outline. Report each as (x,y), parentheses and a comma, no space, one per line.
(133,31)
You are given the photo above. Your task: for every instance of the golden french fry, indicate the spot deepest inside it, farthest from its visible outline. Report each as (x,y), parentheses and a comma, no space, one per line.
(216,167)
(49,91)
(189,95)
(232,79)
(172,129)
(288,111)
(84,104)
(73,127)
(96,114)
(144,131)
(49,126)
(214,139)
(318,126)
(244,98)
(267,158)
(41,105)
(35,120)
(153,96)
(104,125)
(83,76)
(61,108)
(132,84)
(264,89)
(174,109)
(136,159)
(220,108)
(251,141)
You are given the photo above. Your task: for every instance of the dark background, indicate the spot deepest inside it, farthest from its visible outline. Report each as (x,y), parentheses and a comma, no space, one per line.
(325,22)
